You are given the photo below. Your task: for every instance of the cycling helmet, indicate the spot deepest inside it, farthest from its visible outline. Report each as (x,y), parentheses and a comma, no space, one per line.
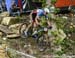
(46,10)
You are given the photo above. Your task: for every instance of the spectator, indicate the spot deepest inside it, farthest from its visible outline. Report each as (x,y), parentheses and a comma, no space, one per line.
(14,9)
(1,6)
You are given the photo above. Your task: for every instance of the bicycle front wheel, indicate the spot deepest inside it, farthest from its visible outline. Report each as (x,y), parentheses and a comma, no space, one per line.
(41,43)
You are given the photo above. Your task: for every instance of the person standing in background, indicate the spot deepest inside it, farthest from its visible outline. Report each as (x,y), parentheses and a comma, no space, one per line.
(1,9)
(20,5)
(8,5)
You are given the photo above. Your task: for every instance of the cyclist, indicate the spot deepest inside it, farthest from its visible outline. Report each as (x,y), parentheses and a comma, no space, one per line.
(35,17)
(36,14)
(40,13)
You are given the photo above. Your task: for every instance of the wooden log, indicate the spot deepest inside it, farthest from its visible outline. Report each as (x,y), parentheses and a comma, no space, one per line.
(5,30)
(13,36)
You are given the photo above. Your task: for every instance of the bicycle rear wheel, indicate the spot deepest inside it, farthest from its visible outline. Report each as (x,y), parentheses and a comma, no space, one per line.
(22,30)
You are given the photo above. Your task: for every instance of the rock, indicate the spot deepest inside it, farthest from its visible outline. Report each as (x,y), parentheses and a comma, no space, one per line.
(9,20)
(1,17)
(3,53)
(1,33)
(1,49)
(4,14)
(62,34)
(64,17)
(54,27)
(4,38)
(30,51)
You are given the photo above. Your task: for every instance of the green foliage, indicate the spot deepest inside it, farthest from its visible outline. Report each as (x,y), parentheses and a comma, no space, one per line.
(11,53)
(60,22)
(59,37)
(43,21)
(56,10)
(58,40)
(53,1)
(65,47)
(60,52)
(42,1)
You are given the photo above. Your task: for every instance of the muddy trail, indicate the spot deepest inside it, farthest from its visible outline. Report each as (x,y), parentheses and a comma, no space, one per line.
(28,48)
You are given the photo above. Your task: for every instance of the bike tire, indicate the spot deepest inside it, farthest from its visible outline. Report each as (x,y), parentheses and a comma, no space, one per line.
(22,29)
(41,43)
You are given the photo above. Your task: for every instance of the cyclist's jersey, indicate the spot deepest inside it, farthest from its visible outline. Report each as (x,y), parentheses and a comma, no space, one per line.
(40,12)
